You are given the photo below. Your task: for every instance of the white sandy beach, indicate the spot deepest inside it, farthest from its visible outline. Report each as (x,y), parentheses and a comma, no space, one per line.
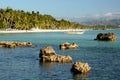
(40,30)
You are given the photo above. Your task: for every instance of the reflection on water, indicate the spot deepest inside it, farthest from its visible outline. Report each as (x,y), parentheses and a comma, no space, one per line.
(80,76)
(47,64)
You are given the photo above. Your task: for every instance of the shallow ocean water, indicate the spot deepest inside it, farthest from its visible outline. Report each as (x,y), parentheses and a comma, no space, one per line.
(23,63)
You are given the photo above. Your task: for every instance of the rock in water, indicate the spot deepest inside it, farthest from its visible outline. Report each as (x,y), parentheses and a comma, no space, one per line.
(48,54)
(8,44)
(47,51)
(67,45)
(79,67)
(106,37)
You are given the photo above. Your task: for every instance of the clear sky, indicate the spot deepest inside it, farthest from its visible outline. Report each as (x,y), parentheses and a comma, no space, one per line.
(65,8)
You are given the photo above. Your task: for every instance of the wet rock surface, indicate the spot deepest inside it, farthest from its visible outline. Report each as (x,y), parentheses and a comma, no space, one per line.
(8,44)
(67,45)
(79,67)
(48,54)
(106,37)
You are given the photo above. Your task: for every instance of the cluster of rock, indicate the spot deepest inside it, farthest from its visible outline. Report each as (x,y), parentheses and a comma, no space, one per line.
(79,67)
(67,45)
(106,37)
(48,54)
(7,44)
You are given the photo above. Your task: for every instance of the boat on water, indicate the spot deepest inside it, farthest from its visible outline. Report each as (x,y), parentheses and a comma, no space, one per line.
(74,32)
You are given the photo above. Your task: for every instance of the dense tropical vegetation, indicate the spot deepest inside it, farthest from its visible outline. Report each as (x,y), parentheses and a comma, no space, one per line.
(19,19)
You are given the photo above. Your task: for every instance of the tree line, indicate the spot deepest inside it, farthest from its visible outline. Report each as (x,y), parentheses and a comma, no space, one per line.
(19,19)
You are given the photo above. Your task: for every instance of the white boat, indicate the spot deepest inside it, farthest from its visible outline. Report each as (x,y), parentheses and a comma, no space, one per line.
(74,32)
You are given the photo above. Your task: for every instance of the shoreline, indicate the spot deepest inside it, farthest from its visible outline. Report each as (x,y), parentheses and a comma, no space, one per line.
(41,30)
(45,30)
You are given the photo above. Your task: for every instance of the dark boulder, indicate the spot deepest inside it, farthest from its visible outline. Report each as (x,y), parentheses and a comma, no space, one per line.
(106,37)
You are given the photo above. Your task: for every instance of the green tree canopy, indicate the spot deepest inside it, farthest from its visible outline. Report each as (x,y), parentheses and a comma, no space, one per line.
(19,19)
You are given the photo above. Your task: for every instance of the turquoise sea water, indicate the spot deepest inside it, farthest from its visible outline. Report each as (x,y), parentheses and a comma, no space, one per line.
(23,63)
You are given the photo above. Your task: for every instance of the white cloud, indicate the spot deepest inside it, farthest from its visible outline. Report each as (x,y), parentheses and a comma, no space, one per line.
(108,14)
(97,15)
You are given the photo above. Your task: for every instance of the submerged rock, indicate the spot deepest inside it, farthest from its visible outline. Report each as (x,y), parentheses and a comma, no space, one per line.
(106,37)
(8,44)
(79,67)
(67,45)
(48,54)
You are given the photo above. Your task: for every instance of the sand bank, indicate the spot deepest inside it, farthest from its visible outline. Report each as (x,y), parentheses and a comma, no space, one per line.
(41,30)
